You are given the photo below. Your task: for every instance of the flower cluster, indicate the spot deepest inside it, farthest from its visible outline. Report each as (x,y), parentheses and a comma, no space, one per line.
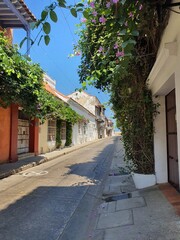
(107,15)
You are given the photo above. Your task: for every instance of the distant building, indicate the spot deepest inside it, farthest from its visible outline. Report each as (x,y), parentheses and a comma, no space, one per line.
(109,127)
(93,104)
(49,80)
(85,130)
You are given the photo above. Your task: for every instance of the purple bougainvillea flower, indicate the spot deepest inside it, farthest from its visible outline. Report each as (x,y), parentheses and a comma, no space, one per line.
(102,19)
(94,20)
(83,20)
(120,54)
(94,13)
(131,15)
(116,46)
(126,23)
(140,7)
(115,1)
(101,49)
(108,4)
(77,53)
(92,4)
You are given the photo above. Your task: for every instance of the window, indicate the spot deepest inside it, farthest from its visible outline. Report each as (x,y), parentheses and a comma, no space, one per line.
(85,128)
(51,130)
(79,128)
(63,130)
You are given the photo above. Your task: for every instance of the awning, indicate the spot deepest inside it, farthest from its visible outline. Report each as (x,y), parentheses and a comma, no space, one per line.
(15,14)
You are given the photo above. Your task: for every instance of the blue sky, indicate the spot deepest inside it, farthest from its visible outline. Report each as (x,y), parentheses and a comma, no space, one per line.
(54,57)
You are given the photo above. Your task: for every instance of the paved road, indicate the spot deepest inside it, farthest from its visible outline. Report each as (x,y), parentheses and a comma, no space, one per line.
(54,201)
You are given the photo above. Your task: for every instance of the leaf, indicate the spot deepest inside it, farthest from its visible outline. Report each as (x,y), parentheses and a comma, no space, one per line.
(62,3)
(44,15)
(46,27)
(83,85)
(46,39)
(130,41)
(86,14)
(32,25)
(73,12)
(53,16)
(79,9)
(135,33)
(79,5)
(22,42)
(123,32)
(123,2)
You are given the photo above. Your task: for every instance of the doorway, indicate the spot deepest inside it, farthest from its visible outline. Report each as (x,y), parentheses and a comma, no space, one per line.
(172,153)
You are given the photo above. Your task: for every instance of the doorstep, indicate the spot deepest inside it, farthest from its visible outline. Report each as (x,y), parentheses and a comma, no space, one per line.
(25,155)
(172,195)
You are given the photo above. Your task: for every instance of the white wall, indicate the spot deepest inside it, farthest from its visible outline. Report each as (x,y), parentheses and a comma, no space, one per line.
(164,77)
(160,146)
(91,130)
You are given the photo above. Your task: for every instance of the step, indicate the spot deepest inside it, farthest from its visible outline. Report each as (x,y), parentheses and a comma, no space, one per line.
(25,155)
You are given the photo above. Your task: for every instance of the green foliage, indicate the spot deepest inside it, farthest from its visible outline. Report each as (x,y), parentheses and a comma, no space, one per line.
(68,134)
(58,133)
(118,43)
(22,83)
(21,80)
(49,15)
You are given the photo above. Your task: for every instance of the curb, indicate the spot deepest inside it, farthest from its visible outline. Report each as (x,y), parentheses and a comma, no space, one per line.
(45,159)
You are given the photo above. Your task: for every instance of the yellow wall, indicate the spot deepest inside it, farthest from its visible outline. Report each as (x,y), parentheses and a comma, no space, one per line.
(44,145)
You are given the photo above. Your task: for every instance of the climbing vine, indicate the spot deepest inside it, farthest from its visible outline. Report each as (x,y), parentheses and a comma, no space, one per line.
(68,134)
(58,133)
(118,44)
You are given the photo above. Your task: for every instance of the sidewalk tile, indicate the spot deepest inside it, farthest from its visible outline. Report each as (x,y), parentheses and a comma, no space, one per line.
(116,219)
(130,203)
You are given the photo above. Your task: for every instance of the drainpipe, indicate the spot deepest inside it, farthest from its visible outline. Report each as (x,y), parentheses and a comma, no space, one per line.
(28,41)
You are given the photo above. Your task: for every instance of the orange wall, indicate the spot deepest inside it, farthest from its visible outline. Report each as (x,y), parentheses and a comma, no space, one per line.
(5,116)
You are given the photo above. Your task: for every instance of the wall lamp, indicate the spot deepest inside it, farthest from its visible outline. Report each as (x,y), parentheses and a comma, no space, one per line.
(171,5)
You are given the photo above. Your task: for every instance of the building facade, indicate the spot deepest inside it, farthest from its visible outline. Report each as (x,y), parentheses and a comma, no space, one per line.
(93,104)
(165,85)
(17,134)
(85,130)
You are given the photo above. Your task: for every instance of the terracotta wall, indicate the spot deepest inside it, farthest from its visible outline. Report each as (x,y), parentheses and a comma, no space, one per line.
(5,118)
(8,32)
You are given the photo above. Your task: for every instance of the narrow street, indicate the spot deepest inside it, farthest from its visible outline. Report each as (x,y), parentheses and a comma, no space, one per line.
(55,200)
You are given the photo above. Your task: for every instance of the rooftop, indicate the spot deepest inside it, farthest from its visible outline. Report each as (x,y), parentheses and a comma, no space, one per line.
(15,14)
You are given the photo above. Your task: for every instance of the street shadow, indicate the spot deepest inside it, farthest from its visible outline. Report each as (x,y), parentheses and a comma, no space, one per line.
(40,215)
(97,166)
(5,167)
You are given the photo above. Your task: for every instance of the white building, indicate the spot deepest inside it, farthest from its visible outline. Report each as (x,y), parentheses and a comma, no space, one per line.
(85,130)
(164,81)
(93,104)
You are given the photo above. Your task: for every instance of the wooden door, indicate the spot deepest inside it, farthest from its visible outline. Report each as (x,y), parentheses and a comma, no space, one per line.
(172,154)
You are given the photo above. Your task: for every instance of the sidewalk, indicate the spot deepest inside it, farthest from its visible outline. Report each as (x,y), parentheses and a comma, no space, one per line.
(129,214)
(8,169)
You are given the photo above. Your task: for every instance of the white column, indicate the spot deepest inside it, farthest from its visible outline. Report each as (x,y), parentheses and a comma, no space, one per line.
(160,143)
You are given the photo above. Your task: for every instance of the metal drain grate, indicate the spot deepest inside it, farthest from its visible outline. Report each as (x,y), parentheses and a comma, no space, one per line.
(118,197)
(118,174)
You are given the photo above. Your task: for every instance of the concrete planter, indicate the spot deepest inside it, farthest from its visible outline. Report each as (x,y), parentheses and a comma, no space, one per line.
(143,180)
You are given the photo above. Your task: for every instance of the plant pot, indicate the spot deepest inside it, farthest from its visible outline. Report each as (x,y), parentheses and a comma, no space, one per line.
(143,180)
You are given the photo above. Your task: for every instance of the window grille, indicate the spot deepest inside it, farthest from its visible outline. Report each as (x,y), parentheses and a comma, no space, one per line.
(51,130)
